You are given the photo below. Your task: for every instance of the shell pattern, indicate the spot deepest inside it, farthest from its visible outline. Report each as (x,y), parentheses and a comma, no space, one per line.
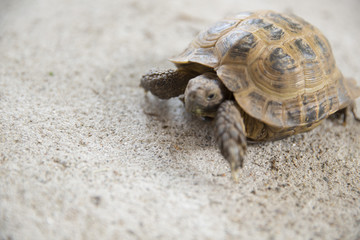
(280,68)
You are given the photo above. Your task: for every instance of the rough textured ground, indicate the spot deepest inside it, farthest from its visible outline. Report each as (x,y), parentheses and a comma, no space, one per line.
(85,154)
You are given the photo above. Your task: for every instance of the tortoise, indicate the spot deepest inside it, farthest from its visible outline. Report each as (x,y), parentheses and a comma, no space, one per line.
(261,76)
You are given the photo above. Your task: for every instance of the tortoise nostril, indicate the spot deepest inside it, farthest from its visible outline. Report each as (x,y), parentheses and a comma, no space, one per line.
(192,96)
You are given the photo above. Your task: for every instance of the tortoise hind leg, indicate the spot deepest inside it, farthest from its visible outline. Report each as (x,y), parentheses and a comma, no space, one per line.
(353,91)
(230,135)
(344,113)
(353,110)
(166,84)
(341,113)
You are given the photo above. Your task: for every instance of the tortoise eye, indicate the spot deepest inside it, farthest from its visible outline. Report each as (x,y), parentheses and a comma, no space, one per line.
(211,96)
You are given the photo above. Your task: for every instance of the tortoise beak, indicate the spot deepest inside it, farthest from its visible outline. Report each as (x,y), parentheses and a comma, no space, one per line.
(199,112)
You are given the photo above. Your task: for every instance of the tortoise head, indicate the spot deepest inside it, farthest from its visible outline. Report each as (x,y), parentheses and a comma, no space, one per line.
(204,94)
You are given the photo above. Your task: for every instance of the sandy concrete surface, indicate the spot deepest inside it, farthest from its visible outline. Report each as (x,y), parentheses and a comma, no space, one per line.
(85,154)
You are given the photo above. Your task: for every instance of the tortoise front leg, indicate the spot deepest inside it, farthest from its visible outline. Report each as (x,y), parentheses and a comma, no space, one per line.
(166,84)
(230,135)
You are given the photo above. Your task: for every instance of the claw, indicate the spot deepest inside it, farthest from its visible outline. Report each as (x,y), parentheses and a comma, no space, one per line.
(235,172)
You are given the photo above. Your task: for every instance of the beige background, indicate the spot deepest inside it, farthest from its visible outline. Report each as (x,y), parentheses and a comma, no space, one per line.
(85,155)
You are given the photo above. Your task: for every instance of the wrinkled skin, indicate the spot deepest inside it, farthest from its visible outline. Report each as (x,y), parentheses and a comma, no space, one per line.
(204,94)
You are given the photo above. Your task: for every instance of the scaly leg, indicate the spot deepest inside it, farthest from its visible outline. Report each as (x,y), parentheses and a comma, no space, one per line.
(353,110)
(344,113)
(166,84)
(230,135)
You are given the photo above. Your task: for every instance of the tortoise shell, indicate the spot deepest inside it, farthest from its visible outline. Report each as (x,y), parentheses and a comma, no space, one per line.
(279,67)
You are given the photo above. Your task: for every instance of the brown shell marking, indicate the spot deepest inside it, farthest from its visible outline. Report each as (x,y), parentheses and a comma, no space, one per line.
(202,49)
(280,68)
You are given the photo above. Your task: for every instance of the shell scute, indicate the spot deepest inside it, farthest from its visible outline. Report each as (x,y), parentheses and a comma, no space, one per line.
(235,46)
(310,108)
(208,37)
(234,77)
(280,61)
(258,102)
(274,33)
(289,23)
(274,111)
(304,49)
